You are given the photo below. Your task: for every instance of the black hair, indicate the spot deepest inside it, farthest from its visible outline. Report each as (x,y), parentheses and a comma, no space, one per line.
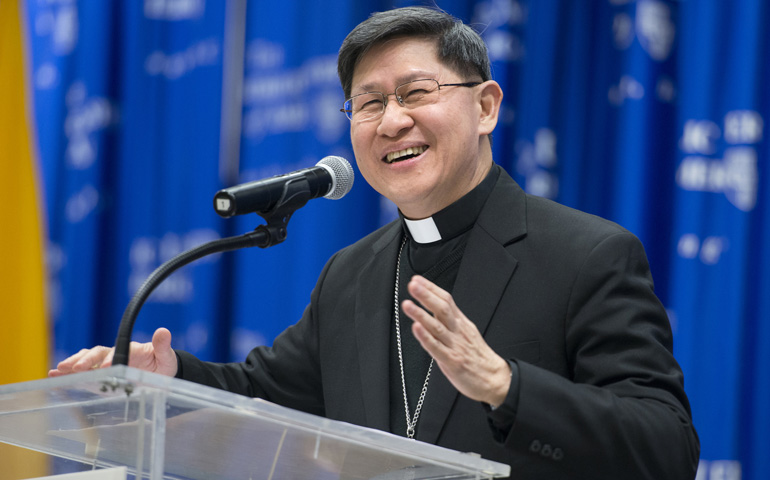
(458,45)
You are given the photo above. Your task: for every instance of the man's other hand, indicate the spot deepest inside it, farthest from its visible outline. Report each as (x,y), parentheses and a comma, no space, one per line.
(156,356)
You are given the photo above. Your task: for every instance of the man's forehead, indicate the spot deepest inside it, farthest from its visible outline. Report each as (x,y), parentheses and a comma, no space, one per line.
(422,64)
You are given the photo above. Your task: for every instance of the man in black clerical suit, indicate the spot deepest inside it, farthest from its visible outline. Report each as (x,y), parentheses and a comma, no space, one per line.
(551,353)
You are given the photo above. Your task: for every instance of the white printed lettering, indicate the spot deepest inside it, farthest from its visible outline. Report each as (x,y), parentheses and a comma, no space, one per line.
(699,137)
(743,126)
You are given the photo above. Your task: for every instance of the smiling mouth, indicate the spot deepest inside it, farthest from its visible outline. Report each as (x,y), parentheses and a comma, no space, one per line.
(404,154)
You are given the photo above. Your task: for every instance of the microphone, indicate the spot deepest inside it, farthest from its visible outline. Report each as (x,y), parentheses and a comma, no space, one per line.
(331,178)
(274,198)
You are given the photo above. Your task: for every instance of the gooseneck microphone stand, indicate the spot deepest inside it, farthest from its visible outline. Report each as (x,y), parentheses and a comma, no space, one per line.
(295,195)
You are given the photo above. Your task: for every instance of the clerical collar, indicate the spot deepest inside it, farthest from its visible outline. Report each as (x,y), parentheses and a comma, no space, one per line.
(457,217)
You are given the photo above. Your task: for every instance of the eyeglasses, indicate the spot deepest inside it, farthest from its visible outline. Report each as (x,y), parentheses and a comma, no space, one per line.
(369,106)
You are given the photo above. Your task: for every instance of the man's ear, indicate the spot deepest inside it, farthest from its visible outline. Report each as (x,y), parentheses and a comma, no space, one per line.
(491,97)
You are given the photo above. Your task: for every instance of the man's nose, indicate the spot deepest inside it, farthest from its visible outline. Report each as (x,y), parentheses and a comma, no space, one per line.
(395,118)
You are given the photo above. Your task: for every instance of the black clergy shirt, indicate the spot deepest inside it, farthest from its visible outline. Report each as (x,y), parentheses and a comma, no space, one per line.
(433,249)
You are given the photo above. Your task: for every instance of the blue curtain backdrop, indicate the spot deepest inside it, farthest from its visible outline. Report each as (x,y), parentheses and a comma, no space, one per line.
(649,113)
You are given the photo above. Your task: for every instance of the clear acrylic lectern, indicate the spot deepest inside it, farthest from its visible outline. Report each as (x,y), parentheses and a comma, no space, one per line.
(168,428)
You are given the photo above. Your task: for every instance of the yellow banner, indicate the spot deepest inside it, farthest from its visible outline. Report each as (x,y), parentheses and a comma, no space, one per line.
(23,320)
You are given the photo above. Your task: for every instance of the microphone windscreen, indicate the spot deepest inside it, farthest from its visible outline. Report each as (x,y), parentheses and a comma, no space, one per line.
(342,176)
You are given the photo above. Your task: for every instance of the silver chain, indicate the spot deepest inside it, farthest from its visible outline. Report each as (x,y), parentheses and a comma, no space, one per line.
(411,424)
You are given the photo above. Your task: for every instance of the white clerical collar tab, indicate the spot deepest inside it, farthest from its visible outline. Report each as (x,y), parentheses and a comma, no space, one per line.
(423,231)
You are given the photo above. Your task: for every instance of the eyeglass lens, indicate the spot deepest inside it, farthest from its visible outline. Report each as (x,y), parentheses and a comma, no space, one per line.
(368,106)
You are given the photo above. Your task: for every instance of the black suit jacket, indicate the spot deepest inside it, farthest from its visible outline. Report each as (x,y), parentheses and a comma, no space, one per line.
(566,295)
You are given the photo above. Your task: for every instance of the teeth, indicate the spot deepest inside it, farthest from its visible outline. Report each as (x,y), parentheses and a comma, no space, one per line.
(407,151)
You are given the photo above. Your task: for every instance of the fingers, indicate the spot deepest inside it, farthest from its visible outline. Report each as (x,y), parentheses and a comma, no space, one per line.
(435,299)
(429,331)
(93,358)
(440,350)
(446,318)
(436,321)
(84,360)
(108,359)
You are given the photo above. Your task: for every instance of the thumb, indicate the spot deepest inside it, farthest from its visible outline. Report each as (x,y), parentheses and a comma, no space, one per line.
(161,341)
(165,357)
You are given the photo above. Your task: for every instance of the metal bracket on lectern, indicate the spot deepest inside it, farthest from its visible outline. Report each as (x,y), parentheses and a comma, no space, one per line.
(112,384)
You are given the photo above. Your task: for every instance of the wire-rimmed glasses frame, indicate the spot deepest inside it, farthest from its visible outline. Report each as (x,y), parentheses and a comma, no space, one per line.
(369,106)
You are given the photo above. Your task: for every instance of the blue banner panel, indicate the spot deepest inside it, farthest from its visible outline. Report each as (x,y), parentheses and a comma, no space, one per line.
(127,97)
(716,212)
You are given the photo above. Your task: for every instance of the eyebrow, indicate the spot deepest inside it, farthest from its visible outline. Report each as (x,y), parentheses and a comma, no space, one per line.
(372,87)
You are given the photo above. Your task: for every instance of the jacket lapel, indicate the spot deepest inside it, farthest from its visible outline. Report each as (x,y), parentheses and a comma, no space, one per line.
(374,313)
(485,272)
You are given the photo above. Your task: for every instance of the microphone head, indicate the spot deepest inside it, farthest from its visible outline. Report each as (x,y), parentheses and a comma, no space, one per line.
(341,173)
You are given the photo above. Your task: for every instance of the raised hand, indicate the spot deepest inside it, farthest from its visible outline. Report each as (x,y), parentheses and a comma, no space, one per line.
(456,345)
